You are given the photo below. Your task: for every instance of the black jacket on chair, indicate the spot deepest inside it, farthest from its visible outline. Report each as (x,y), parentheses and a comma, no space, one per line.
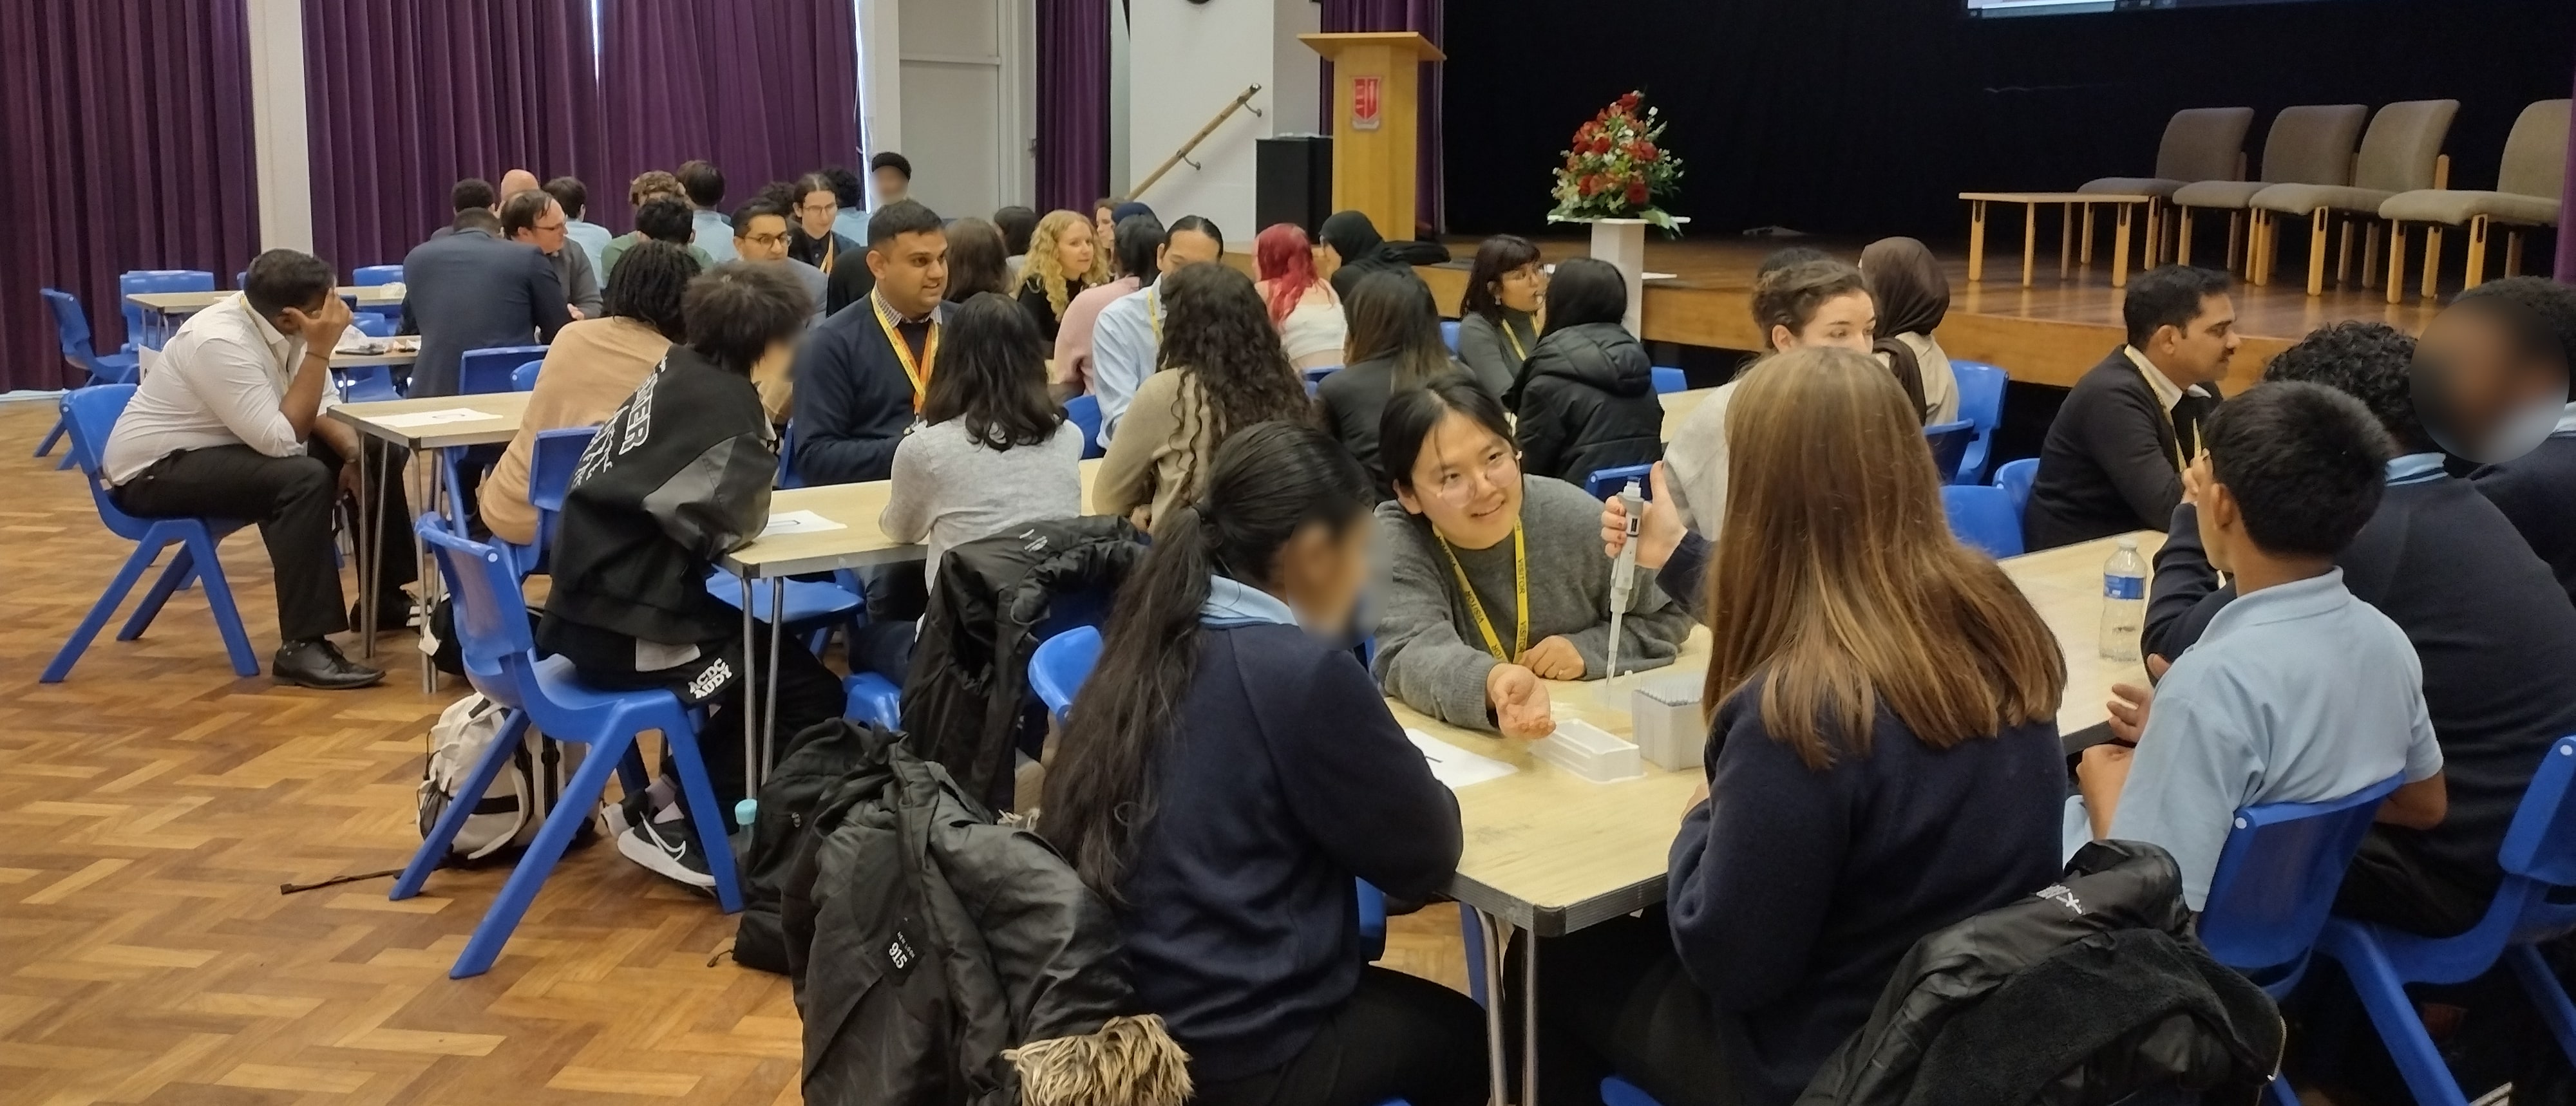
(941,958)
(966,701)
(2086,992)
(2109,464)
(1586,402)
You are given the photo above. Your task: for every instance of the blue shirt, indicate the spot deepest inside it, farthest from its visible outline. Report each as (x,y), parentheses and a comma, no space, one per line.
(714,235)
(1124,343)
(2296,693)
(593,239)
(852,223)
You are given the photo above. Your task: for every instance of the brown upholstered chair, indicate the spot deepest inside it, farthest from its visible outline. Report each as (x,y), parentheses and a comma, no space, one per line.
(2199,144)
(2401,152)
(2309,144)
(2525,195)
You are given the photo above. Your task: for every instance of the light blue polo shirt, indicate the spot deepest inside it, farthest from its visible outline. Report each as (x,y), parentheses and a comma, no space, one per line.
(714,234)
(2295,693)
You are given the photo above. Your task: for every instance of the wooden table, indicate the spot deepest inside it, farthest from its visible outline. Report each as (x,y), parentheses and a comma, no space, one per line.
(189,303)
(1549,853)
(2031,202)
(1679,405)
(504,410)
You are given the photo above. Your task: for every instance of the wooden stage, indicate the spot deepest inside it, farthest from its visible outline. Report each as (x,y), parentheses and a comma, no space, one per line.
(2048,333)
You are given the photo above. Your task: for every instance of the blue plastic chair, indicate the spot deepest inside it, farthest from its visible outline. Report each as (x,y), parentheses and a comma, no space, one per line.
(2538,858)
(486,371)
(1057,669)
(1604,483)
(373,326)
(1983,517)
(1619,1092)
(369,276)
(1372,911)
(1981,404)
(501,662)
(550,467)
(1949,442)
(140,333)
(871,698)
(1084,413)
(1449,335)
(524,378)
(2016,477)
(71,333)
(1669,380)
(787,477)
(365,384)
(2275,881)
(91,414)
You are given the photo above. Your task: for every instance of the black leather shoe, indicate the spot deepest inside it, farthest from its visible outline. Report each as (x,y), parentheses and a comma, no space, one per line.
(318,664)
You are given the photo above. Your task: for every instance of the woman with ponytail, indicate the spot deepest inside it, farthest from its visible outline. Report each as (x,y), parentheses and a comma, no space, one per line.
(1229,771)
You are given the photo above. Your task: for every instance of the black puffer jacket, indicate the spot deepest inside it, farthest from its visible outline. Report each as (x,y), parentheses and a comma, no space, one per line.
(966,702)
(1586,401)
(2087,992)
(942,960)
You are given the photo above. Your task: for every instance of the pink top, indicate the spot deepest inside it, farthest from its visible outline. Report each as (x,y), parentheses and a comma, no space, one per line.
(1073,332)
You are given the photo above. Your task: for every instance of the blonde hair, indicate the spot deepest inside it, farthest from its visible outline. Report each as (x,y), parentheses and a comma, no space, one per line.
(1836,584)
(1045,269)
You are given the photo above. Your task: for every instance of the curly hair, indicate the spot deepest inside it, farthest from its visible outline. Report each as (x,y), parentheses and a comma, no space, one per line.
(651,183)
(1217,329)
(1791,295)
(648,284)
(1045,269)
(2367,361)
(2552,304)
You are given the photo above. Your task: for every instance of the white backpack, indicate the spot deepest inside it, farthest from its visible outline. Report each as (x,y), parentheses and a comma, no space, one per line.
(522,793)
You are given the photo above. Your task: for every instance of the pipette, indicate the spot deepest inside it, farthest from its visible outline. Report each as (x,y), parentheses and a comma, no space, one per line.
(1623,576)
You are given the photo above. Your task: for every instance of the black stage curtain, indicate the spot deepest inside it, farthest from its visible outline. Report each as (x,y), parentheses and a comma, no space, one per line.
(1868,117)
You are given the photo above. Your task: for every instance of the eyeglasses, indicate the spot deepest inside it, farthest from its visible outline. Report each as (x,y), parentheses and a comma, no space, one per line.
(1460,487)
(550,227)
(819,208)
(765,240)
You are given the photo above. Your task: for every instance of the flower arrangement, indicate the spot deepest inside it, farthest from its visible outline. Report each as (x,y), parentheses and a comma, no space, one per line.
(1616,169)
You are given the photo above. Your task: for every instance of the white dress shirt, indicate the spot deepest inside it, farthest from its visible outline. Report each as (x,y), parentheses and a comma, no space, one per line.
(1124,344)
(218,382)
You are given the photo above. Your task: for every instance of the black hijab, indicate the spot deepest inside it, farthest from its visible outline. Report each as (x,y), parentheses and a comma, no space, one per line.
(1912,292)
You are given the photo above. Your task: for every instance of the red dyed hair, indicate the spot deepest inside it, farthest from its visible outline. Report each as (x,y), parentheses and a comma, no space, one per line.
(1287,260)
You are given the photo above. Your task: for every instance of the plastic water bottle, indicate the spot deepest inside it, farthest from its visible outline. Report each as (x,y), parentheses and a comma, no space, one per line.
(2124,601)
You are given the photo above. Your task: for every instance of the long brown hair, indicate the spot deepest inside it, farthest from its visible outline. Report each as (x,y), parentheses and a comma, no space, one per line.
(1836,584)
(1392,317)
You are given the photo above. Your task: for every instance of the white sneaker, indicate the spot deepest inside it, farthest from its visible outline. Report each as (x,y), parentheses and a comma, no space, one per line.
(668,849)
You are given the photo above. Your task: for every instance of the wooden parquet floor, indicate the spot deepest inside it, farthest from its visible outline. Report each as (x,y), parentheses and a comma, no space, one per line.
(152,804)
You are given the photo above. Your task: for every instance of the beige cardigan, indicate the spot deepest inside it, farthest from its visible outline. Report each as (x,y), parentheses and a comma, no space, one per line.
(593,365)
(1162,447)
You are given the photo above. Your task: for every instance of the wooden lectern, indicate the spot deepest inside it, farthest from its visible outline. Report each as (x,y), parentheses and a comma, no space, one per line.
(1376,87)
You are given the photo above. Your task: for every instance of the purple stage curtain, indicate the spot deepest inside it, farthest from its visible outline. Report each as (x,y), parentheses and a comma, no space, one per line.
(765,89)
(1073,103)
(403,99)
(128,146)
(1400,15)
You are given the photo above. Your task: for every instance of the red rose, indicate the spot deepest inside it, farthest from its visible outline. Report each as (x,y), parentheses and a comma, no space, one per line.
(1643,150)
(1591,185)
(1600,144)
(1637,191)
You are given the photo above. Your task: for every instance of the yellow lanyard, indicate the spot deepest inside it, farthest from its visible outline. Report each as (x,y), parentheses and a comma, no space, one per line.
(1514,337)
(918,373)
(1520,596)
(826,266)
(1154,315)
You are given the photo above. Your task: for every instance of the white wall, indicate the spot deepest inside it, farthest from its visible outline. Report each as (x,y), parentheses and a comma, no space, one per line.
(1186,61)
(951,84)
(281,153)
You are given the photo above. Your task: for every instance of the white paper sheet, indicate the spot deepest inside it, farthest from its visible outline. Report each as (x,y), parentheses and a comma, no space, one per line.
(1456,767)
(798,522)
(434,418)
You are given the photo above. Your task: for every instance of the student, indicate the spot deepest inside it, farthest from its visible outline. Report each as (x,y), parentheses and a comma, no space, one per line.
(659,218)
(1797,304)
(862,376)
(534,218)
(890,174)
(992,451)
(704,185)
(1354,250)
(1493,583)
(814,238)
(1498,317)
(1883,762)
(1018,224)
(1302,305)
(1394,344)
(677,477)
(761,233)
(851,223)
(1139,244)
(1913,295)
(976,264)
(2490,625)
(1229,772)
(1105,217)
(1130,328)
(1222,370)
(1586,396)
(470,194)
(591,237)
(2114,456)
(2532,321)
(2297,692)
(592,367)
(1063,261)
(475,289)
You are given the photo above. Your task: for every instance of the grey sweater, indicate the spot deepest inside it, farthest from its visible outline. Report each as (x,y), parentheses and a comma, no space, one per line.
(1429,651)
(949,489)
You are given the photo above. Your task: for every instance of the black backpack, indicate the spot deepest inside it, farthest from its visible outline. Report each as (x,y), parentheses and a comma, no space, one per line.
(763,853)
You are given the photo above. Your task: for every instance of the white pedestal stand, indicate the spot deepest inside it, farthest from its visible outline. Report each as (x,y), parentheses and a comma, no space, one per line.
(1622,242)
